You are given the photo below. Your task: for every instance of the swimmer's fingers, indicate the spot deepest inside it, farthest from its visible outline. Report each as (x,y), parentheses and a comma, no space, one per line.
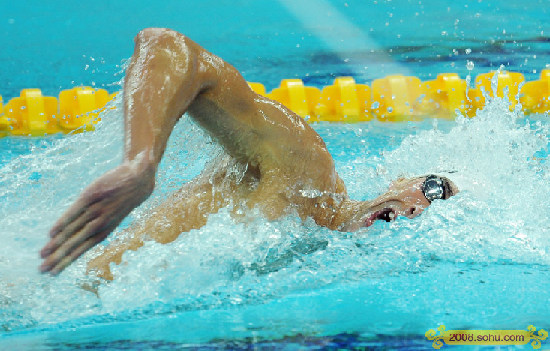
(65,247)
(69,243)
(76,253)
(70,229)
(97,212)
(74,212)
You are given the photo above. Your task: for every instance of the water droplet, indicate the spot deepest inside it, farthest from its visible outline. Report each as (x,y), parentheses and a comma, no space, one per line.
(470,65)
(468,51)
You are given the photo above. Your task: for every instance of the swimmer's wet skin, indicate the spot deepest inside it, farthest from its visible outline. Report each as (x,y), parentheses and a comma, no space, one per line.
(283,159)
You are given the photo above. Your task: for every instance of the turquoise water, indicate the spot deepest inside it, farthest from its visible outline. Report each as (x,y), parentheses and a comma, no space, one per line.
(56,45)
(479,260)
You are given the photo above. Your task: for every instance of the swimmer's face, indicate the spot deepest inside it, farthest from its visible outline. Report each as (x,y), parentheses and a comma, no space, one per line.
(405,197)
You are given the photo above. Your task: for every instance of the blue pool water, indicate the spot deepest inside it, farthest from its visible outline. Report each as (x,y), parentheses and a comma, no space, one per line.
(478,261)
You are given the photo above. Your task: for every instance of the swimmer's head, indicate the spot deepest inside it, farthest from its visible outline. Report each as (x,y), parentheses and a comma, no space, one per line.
(405,197)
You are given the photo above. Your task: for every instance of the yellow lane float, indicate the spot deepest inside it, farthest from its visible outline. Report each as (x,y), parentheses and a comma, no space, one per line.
(405,98)
(32,114)
(391,99)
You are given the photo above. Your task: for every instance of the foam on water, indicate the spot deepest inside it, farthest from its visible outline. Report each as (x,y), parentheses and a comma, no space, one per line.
(497,159)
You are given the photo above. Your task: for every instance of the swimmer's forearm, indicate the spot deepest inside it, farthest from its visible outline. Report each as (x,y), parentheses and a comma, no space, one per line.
(161,81)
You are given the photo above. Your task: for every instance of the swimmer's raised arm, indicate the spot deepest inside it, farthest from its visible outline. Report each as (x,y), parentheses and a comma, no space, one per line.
(169,75)
(161,81)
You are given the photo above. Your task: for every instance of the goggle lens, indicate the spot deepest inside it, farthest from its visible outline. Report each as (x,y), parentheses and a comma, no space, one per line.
(433,188)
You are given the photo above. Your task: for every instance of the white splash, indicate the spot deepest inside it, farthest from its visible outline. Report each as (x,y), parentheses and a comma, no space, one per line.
(500,215)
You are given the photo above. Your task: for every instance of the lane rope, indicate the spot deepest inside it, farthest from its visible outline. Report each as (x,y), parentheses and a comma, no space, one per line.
(394,98)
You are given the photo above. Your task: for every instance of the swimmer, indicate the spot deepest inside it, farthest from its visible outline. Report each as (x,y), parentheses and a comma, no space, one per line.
(286,167)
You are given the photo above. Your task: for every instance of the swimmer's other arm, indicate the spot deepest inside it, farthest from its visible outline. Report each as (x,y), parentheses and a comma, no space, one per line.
(161,81)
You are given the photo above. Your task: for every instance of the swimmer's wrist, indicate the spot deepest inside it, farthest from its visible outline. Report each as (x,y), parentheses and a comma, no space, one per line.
(142,175)
(143,165)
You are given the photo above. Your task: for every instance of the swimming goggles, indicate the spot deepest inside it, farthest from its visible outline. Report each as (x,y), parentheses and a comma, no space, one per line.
(433,188)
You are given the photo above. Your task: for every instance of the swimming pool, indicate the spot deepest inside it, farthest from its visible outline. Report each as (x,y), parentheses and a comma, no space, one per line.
(479,260)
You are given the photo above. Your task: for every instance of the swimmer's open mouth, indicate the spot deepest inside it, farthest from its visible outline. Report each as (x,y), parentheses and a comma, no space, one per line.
(387,214)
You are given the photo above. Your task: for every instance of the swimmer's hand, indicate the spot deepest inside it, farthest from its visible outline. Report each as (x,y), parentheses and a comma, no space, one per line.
(97,212)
